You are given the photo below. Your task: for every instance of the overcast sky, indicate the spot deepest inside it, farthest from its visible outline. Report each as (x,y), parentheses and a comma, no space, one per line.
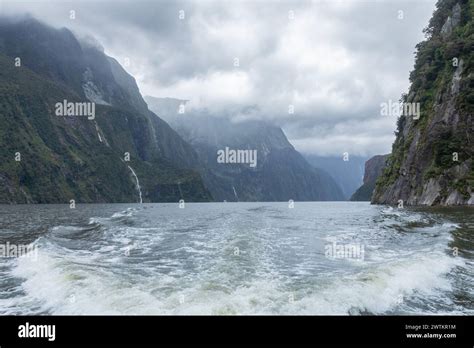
(334,61)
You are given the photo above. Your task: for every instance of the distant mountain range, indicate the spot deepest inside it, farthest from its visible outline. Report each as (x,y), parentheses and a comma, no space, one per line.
(281,173)
(347,172)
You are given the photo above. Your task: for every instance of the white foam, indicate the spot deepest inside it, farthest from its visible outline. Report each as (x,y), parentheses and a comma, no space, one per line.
(52,281)
(378,290)
(102,281)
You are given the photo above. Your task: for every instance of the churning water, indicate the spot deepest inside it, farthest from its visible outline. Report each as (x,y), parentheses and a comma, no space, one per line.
(237,258)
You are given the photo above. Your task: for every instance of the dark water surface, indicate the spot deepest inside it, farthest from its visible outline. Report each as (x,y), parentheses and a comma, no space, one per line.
(237,258)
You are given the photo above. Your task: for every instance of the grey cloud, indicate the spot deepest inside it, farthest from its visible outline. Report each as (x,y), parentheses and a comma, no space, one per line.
(335,61)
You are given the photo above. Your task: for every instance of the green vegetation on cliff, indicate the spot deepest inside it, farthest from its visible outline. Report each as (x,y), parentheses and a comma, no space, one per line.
(45,158)
(431,160)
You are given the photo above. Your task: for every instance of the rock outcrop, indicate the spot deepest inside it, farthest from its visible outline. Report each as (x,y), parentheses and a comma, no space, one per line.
(373,168)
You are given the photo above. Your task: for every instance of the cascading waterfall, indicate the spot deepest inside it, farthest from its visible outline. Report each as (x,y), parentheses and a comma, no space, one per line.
(138,183)
(235,194)
(98,133)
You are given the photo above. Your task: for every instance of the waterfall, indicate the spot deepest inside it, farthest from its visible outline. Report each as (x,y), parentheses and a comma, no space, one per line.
(98,133)
(235,193)
(138,183)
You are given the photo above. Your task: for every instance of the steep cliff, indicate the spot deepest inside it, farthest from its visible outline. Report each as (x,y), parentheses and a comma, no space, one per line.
(373,168)
(432,157)
(123,154)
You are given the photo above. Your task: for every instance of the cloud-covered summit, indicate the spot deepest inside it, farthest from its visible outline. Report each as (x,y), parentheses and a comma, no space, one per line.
(332,62)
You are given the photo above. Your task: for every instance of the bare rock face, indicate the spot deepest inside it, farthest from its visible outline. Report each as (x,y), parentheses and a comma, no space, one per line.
(432,157)
(431,191)
(452,21)
(374,167)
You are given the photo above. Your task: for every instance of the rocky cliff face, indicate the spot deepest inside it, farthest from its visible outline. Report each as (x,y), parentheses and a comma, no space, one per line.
(432,156)
(280,172)
(46,158)
(373,168)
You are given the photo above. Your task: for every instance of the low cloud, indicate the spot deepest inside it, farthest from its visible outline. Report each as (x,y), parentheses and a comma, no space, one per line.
(333,62)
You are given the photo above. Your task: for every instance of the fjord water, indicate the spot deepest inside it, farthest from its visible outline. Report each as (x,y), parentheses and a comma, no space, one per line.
(237,258)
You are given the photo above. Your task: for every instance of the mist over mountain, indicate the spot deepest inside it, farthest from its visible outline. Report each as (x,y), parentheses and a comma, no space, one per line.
(122,153)
(335,62)
(281,173)
(236,138)
(347,172)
